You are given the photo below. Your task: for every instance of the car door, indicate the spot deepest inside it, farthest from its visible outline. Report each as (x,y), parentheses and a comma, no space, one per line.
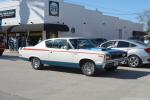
(61,54)
(123,45)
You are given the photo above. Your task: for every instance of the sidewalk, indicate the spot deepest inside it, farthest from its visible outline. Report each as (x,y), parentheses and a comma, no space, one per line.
(8,52)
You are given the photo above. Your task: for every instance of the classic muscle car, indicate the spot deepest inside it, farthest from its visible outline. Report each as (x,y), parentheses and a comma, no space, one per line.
(72,52)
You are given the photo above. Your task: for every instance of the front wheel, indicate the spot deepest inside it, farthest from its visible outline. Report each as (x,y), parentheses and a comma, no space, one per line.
(88,68)
(134,61)
(36,64)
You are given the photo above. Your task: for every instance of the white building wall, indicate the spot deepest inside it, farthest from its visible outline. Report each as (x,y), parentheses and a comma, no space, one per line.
(32,11)
(87,23)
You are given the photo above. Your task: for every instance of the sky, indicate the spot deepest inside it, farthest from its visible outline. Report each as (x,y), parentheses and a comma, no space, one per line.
(124,9)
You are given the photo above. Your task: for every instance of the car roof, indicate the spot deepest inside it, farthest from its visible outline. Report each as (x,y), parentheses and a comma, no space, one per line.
(69,38)
(130,41)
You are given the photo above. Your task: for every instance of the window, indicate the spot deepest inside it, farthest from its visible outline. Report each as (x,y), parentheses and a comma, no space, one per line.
(82,43)
(132,45)
(59,44)
(49,43)
(109,44)
(140,43)
(122,44)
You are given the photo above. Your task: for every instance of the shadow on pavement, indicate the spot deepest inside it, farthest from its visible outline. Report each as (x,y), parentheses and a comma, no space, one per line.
(119,74)
(145,66)
(124,74)
(62,69)
(9,57)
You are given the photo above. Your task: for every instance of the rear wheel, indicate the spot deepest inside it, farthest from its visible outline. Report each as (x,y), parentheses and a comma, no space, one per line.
(88,68)
(36,64)
(134,61)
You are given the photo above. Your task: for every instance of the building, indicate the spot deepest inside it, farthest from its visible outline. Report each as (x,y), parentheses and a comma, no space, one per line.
(56,18)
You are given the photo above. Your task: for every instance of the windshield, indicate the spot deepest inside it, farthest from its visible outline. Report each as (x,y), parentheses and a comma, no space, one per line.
(82,43)
(97,42)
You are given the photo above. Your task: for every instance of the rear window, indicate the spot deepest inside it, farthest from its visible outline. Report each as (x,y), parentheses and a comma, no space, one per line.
(141,43)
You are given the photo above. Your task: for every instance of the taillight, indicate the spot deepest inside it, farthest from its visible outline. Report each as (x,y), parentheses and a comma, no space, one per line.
(147,50)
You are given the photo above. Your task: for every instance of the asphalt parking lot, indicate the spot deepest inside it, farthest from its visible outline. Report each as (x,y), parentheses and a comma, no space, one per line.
(18,81)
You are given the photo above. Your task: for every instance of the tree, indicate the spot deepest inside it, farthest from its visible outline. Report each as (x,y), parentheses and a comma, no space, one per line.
(145,19)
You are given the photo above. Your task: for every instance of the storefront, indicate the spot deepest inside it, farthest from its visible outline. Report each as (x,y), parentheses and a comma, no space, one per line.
(33,32)
(35,19)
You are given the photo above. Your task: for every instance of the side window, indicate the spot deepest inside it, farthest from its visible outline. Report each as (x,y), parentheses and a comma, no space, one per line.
(49,43)
(109,44)
(60,44)
(74,43)
(132,45)
(122,44)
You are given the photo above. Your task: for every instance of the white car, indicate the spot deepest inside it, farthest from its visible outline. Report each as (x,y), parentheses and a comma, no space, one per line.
(138,52)
(72,52)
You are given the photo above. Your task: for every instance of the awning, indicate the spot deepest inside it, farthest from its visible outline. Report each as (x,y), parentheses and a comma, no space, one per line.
(35,27)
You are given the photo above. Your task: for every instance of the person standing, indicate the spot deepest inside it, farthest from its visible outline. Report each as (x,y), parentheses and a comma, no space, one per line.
(11,44)
(40,40)
(146,40)
(15,43)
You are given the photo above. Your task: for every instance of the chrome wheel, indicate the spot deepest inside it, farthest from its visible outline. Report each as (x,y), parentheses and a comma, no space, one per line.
(36,63)
(134,61)
(88,68)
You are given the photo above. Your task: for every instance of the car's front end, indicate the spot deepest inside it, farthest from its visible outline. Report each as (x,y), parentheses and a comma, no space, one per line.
(110,58)
(115,58)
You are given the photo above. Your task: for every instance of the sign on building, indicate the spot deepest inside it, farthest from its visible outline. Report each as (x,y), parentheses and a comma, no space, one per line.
(53,8)
(8,13)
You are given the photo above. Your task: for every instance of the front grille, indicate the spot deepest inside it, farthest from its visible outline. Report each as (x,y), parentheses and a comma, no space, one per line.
(116,56)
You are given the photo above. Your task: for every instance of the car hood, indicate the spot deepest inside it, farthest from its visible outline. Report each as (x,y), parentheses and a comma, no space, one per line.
(107,50)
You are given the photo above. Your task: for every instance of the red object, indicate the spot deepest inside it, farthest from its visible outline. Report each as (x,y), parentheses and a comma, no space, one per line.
(147,50)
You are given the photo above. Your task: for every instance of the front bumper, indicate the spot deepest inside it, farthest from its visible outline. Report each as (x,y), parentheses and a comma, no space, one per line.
(113,63)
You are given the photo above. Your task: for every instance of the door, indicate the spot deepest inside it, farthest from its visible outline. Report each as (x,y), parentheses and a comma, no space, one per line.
(51,35)
(61,54)
(123,45)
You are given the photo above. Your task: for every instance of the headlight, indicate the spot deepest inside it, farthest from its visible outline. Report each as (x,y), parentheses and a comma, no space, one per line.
(108,57)
(124,55)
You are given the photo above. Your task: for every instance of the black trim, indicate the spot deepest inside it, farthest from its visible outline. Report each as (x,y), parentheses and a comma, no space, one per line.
(36,27)
(56,27)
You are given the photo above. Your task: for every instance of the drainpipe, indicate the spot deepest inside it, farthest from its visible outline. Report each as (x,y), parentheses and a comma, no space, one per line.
(27,44)
(43,35)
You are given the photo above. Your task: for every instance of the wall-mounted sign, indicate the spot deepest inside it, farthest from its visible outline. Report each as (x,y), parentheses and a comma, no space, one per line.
(8,13)
(53,8)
